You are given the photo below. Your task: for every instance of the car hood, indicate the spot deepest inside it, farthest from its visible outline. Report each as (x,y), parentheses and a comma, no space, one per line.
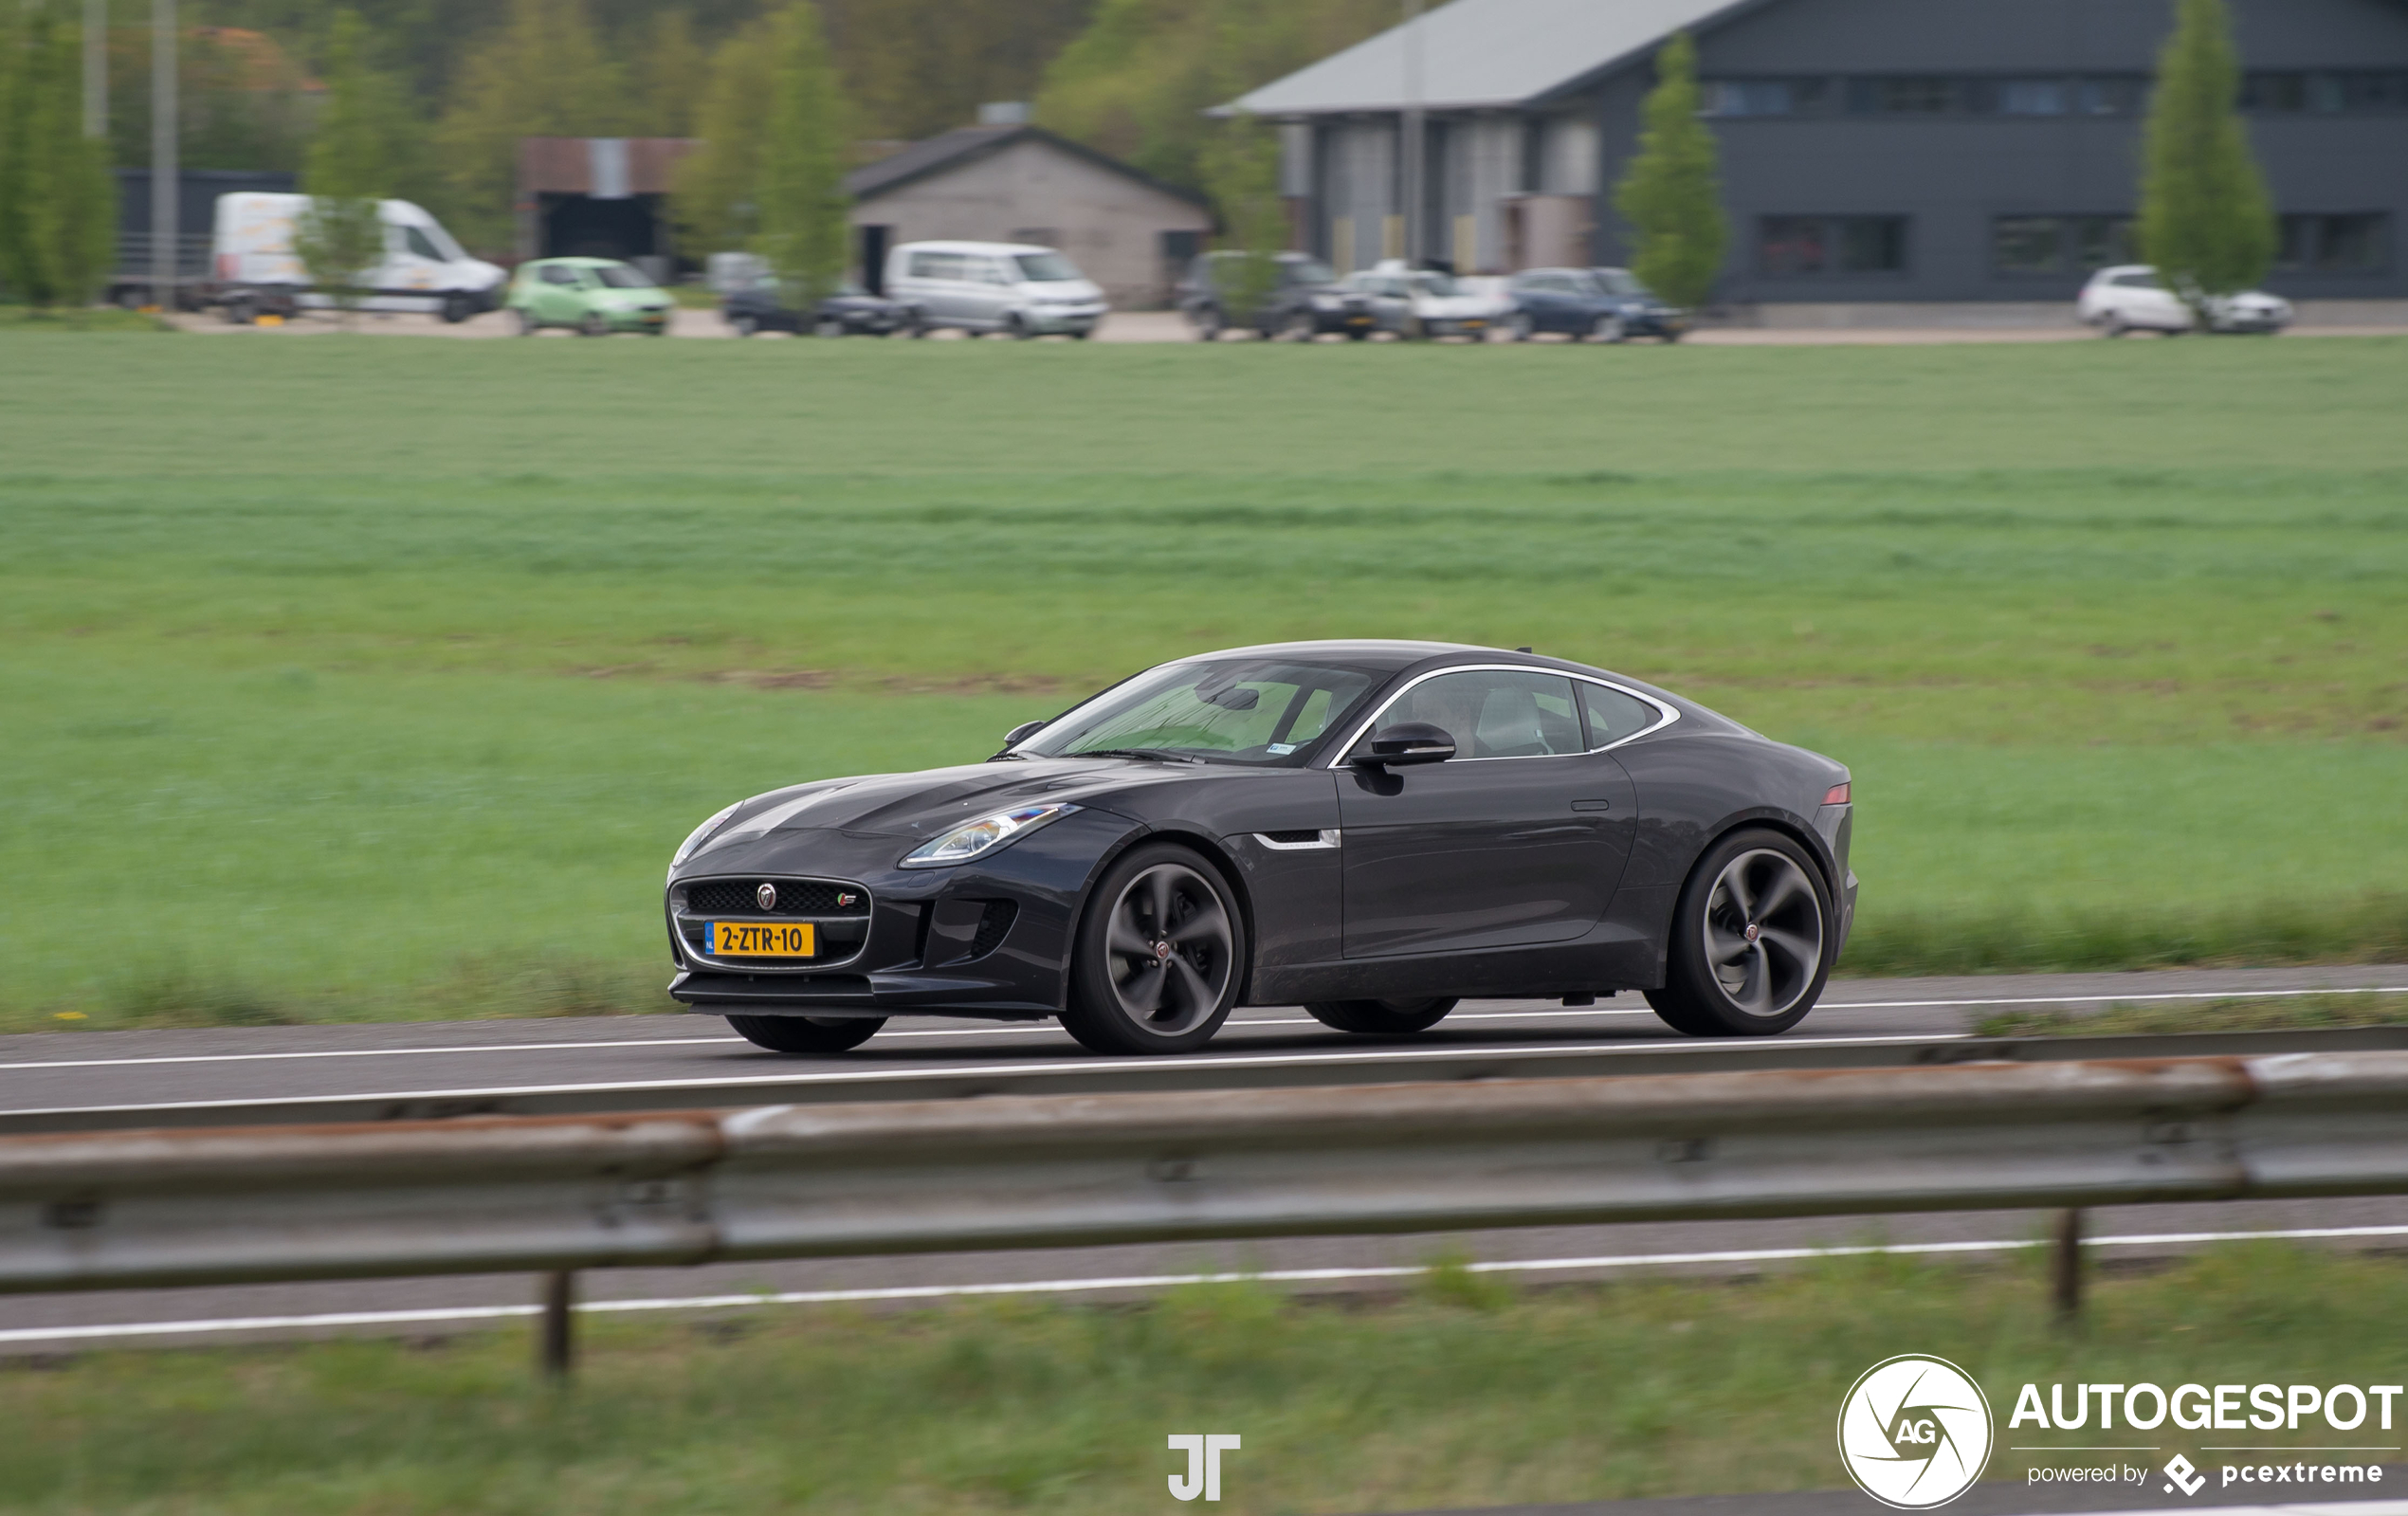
(1460,307)
(932,801)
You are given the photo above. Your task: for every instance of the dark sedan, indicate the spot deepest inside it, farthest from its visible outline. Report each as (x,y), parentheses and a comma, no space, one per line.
(1590,304)
(1212,296)
(851,310)
(1372,830)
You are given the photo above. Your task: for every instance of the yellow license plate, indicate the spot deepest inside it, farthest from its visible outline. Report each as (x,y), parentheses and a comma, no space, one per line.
(764,940)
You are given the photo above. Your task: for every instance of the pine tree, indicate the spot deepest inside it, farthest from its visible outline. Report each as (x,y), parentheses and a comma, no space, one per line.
(1240,167)
(57,204)
(1671,194)
(713,200)
(542,74)
(2205,219)
(341,237)
(801,191)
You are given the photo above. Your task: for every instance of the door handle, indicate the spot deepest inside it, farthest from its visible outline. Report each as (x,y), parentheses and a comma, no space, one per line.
(1592,805)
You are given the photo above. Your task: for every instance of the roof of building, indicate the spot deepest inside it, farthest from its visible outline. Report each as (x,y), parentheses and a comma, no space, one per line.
(1483,53)
(967,144)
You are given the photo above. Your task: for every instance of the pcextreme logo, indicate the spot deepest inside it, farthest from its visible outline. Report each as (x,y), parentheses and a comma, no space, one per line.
(1915,1431)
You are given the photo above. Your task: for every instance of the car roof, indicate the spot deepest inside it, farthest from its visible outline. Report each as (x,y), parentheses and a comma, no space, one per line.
(992,247)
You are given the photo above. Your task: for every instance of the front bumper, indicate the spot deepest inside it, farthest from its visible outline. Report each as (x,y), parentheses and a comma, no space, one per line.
(1063,318)
(923,951)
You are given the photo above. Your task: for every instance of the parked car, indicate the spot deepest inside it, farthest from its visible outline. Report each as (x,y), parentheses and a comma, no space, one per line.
(254,270)
(1018,290)
(1363,302)
(851,310)
(592,296)
(1589,305)
(1442,306)
(2132,297)
(1391,817)
(1207,292)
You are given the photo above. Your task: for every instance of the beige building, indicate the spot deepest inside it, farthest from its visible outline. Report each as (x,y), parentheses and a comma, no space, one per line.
(1129,232)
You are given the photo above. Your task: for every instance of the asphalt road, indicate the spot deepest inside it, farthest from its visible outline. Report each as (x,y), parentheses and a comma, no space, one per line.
(48,1071)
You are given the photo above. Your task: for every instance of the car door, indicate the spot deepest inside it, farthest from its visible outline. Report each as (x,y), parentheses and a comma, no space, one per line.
(555,297)
(1520,839)
(1541,294)
(989,292)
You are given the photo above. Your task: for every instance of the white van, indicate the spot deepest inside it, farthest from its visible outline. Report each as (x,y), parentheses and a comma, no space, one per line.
(1014,287)
(254,268)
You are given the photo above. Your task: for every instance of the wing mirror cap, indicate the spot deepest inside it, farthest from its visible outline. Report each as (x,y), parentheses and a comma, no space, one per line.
(1023,732)
(1405,743)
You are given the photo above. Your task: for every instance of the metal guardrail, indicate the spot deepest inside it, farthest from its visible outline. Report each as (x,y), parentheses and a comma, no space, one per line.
(160,1208)
(1096,1076)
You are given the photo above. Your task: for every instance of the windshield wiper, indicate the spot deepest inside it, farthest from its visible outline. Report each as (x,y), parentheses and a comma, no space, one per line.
(1158,753)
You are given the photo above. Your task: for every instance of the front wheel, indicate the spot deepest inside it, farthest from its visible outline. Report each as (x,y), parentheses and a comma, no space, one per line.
(807,1034)
(1608,329)
(1159,955)
(1750,937)
(593,326)
(1382,1019)
(456,308)
(829,326)
(528,325)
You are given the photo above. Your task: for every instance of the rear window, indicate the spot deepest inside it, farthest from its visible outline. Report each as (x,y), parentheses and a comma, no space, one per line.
(2143,281)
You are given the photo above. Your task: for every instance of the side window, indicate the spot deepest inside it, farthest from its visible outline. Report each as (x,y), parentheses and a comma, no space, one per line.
(1614,716)
(1495,714)
(420,246)
(554,274)
(935,265)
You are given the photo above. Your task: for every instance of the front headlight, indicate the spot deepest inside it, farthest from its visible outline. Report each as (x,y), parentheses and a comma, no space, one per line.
(695,838)
(983,835)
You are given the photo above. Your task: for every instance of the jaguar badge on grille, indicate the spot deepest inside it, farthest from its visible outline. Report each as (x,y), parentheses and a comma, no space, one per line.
(767,895)
(847,897)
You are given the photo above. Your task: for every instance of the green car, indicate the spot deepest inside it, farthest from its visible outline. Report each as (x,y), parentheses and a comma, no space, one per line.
(594,296)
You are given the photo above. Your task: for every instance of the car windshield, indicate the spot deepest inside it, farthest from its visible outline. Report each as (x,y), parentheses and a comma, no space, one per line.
(1306,271)
(1436,284)
(1618,282)
(1045,267)
(1238,710)
(619,276)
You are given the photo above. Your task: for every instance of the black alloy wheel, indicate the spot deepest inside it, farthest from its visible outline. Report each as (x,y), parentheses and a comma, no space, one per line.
(1748,953)
(1158,957)
(807,1034)
(1382,1019)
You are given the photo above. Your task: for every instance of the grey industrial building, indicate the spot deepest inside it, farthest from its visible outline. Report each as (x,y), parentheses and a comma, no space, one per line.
(1871,150)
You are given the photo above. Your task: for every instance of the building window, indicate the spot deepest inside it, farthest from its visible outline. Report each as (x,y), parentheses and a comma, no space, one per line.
(1812,246)
(2326,93)
(1763,97)
(2357,242)
(1928,95)
(1903,95)
(2059,245)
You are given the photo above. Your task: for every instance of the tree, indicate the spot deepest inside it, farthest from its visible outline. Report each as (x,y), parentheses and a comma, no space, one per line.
(712,199)
(2205,219)
(542,74)
(57,204)
(1240,166)
(801,189)
(341,237)
(916,68)
(668,76)
(1671,194)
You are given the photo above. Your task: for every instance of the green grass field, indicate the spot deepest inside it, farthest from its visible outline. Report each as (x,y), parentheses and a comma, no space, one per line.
(347,676)
(1463,1395)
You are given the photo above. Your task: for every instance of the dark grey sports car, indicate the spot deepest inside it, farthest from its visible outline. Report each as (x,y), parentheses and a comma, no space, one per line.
(1370,829)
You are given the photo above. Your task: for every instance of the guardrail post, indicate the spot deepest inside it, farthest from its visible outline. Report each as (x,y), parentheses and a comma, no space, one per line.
(555,1348)
(2064,1264)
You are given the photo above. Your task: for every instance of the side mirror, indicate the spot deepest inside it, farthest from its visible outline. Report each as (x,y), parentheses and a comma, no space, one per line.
(1403,744)
(1022,733)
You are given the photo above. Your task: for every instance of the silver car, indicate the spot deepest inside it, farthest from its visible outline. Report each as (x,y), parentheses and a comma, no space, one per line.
(1018,290)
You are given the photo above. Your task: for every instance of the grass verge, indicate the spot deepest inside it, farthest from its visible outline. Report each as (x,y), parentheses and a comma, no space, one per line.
(1456,1396)
(2283,1013)
(31,318)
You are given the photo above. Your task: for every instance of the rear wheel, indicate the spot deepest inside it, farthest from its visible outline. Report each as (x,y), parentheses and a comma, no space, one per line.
(807,1034)
(1388,1018)
(1158,957)
(1748,951)
(1208,324)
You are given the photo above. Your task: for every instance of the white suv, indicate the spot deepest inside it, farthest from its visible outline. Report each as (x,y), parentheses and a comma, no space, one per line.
(2130,298)
(1015,289)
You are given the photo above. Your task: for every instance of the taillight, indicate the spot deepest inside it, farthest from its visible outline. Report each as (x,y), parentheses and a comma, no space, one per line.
(1836,794)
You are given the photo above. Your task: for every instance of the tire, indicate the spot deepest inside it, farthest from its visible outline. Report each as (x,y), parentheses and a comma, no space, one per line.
(1356,334)
(456,309)
(807,1034)
(1607,329)
(1750,935)
(1159,955)
(240,312)
(1016,329)
(1521,328)
(743,325)
(915,326)
(1300,327)
(593,325)
(829,326)
(528,325)
(2113,325)
(1382,1019)
(1208,324)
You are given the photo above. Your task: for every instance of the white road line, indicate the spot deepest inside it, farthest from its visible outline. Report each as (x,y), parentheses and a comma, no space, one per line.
(1042,1028)
(1065,1287)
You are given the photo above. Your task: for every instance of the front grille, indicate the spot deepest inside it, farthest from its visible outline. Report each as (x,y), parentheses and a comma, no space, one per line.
(795,897)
